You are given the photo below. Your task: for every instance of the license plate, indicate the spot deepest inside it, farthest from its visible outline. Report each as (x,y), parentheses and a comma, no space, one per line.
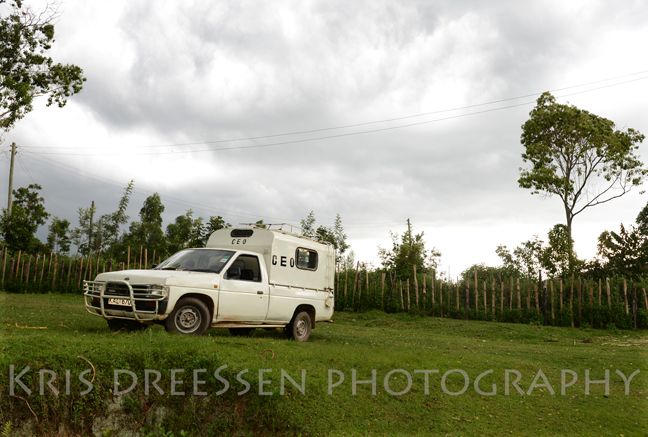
(122,302)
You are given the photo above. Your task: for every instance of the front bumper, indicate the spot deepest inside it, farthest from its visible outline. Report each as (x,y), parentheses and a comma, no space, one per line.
(143,303)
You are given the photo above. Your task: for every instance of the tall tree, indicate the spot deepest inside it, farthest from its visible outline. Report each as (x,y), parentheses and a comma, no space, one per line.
(27,215)
(578,156)
(26,71)
(213,224)
(184,232)
(625,252)
(409,251)
(58,239)
(112,222)
(148,231)
(80,235)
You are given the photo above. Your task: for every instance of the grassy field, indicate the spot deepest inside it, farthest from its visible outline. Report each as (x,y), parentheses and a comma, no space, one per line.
(361,343)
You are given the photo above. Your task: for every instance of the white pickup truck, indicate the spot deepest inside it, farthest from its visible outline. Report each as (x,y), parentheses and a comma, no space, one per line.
(245,278)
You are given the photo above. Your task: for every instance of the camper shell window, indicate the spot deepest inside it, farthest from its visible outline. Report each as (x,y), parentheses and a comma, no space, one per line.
(306,259)
(241,233)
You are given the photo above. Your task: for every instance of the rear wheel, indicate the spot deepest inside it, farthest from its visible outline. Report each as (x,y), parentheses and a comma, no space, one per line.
(190,316)
(241,332)
(300,327)
(127,325)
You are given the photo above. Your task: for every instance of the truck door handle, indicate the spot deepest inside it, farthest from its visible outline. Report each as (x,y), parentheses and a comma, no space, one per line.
(259,292)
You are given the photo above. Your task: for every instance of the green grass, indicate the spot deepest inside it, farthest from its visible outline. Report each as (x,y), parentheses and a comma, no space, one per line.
(363,342)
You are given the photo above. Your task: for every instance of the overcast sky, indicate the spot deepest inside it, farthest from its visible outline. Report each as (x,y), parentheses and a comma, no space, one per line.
(377,110)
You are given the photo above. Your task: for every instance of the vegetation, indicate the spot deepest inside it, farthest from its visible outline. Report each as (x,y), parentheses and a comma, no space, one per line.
(26,71)
(579,157)
(362,342)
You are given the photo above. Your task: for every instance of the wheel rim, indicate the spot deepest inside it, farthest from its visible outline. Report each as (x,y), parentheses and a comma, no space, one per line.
(301,328)
(188,319)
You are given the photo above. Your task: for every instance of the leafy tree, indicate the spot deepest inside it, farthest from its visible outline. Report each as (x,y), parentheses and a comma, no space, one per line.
(184,232)
(555,257)
(409,251)
(525,259)
(625,252)
(642,220)
(80,235)
(334,235)
(148,231)
(578,156)
(213,224)
(27,215)
(58,239)
(308,225)
(25,70)
(111,223)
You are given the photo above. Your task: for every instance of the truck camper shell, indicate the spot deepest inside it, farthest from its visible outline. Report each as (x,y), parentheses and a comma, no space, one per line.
(292,260)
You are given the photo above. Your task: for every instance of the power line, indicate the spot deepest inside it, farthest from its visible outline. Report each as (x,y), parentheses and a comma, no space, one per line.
(343,127)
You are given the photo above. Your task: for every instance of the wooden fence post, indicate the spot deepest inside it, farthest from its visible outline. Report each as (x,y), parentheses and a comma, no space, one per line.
(408,295)
(4,265)
(432,290)
(571,301)
(580,301)
(415,287)
(441,295)
(625,296)
(561,295)
(80,272)
(457,294)
(634,303)
(519,296)
(140,263)
(425,294)
(591,302)
(493,300)
(476,293)
(11,267)
(346,280)
(645,298)
(553,314)
(367,278)
(537,300)
(467,299)
(18,264)
(382,289)
(127,259)
(400,287)
(485,301)
(28,270)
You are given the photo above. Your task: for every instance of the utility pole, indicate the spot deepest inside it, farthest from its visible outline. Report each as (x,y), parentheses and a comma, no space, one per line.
(11,169)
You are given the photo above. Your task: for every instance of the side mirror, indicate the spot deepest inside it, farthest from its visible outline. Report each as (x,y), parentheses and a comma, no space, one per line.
(233,272)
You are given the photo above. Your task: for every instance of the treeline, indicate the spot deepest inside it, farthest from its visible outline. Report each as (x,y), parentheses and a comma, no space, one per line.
(109,235)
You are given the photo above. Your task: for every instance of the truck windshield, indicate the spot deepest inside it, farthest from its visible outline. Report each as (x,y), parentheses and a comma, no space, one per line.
(197,260)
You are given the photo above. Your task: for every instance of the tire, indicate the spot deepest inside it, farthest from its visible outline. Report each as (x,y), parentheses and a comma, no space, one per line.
(190,316)
(300,327)
(240,332)
(127,325)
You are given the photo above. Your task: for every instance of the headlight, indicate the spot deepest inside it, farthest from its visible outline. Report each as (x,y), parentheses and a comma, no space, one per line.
(160,290)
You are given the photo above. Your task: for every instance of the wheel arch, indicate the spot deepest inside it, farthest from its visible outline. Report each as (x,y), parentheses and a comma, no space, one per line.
(207,300)
(309,309)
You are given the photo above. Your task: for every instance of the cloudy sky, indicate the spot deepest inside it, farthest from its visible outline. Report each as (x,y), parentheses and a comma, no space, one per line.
(377,110)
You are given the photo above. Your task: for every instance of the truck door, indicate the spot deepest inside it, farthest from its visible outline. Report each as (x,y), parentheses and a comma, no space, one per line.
(244,293)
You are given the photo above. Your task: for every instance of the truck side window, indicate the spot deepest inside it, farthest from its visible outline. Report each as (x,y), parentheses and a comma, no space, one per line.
(306,259)
(250,270)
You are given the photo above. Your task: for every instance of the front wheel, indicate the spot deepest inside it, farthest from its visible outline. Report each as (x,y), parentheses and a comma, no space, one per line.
(190,316)
(299,328)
